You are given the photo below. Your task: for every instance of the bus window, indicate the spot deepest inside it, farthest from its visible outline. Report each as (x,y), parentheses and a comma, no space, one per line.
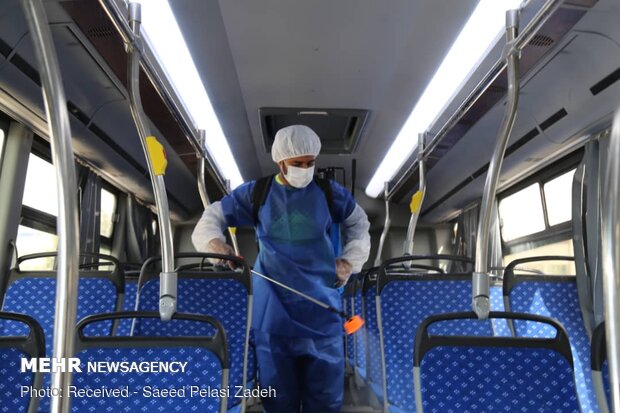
(37,231)
(521,213)
(564,247)
(533,225)
(108,209)
(558,198)
(40,188)
(30,241)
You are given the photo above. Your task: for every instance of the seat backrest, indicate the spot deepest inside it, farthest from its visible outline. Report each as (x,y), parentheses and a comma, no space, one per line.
(456,373)
(129,304)
(34,292)
(12,349)
(373,339)
(182,362)
(225,295)
(600,370)
(405,299)
(500,326)
(348,304)
(359,338)
(556,297)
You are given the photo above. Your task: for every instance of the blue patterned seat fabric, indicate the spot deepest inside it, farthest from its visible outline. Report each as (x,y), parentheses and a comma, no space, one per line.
(360,337)
(374,343)
(224,299)
(558,300)
(203,369)
(11,379)
(496,379)
(129,303)
(36,297)
(606,387)
(500,326)
(404,304)
(349,347)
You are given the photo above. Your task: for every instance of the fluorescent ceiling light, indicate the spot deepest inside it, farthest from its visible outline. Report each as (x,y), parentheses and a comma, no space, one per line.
(164,36)
(480,33)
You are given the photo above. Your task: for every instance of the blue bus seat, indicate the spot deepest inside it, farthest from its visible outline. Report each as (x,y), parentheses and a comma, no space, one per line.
(556,297)
(348,305)
(454,373)
(197,340)
(406,296)
(600,370)
(218,292)
(360,337)
(34,292)
(12,349)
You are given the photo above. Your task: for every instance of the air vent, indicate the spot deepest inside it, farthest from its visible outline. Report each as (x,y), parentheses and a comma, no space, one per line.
(100,32)
(540,40)
(339,129)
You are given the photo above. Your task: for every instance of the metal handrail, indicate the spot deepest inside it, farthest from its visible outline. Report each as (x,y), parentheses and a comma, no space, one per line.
(386,226)
(202,183)
(480,280)
(67,223)
(610,237)
(168,93)
(168,276)
(202,189)
(232,231)
(481,87)
(416,200)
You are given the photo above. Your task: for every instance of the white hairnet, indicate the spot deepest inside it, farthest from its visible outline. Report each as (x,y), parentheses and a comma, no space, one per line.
(294,141)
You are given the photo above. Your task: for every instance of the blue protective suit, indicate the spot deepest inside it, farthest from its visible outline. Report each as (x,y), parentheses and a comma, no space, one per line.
(299,345)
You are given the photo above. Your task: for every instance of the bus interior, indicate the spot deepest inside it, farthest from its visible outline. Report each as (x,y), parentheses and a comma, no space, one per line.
(479,136)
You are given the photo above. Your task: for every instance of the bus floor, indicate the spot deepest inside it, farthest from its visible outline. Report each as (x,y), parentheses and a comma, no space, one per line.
(358,398)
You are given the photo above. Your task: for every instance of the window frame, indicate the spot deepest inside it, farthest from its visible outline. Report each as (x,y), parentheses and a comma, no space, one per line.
(108,242)
(2,144)
(32,217)
(551,233)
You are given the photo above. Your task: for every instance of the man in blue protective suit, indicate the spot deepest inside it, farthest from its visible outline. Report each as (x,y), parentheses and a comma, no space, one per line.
(299,345)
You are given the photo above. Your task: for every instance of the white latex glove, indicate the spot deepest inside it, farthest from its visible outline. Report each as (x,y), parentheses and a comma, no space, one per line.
(343,271)
(217,246)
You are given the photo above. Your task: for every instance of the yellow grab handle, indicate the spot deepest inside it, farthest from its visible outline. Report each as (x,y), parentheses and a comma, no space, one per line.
(416,202)
(232,230)
(157,153)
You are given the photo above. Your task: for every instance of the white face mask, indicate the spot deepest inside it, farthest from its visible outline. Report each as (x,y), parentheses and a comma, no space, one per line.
(299,177)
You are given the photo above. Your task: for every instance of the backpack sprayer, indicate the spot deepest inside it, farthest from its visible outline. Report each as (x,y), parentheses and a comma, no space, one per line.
(351,324)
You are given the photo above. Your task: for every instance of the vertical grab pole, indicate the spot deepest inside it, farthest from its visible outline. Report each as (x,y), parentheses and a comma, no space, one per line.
(417,199)
(232,231)
(480,281)
(610,234)
(202,189)
(202,183)
(156,160)
(386,224)
(67,224)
